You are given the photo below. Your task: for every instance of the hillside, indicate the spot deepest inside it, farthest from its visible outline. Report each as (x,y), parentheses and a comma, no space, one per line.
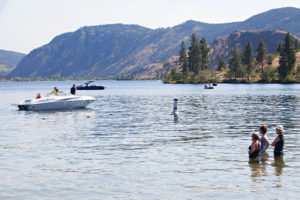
(222,46)
(110,50)
(9,60)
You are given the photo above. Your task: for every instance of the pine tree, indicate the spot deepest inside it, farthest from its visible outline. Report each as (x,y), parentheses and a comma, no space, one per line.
(222,64)
(173,74)
(296,44)
(183,59)
(248,60)
(279,48)
(287,58)
(194,55)
(204,50)
(261,53)
(235,64)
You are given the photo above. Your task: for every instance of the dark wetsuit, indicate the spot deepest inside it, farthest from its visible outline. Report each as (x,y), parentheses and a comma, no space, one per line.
(255,154)
(73,90)
(278,150)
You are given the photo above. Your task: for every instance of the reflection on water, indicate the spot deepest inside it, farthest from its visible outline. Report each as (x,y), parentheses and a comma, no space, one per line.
(278,165)
(264,166)
(128,145)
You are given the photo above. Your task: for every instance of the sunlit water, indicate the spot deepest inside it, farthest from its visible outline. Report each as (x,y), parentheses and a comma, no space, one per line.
(127,145)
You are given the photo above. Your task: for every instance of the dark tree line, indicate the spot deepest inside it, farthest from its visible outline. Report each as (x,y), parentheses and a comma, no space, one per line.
(287,59)
(196,59)
(245,65)
(193,62)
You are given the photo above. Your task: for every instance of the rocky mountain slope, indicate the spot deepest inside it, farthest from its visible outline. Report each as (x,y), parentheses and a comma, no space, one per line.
(110,50)
(9,60)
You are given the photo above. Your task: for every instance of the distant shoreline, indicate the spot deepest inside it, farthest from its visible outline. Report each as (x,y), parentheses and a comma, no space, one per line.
(19,79)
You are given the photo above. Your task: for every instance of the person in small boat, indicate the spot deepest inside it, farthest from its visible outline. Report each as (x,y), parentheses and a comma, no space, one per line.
(264,139)
(73,90)
(255,146)
(278,143)
(38,96)
(55,91)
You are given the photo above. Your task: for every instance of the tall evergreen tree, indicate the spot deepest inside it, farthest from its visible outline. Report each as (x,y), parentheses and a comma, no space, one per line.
(235,64)
(296,44)
(221,64)
(204,50)
(261,53)
(194,55)
(183,59)
(287,58)
(279,48)
(248,60)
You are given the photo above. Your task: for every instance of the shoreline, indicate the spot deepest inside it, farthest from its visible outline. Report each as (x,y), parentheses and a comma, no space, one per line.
(175,83)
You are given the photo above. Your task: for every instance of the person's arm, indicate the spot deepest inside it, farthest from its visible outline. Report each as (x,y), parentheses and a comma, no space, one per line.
(275,141)
(267,143)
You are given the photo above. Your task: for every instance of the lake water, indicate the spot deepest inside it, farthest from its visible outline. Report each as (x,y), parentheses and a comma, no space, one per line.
(127,145)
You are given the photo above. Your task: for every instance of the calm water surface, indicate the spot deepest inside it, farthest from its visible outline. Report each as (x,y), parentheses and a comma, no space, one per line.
(127,145)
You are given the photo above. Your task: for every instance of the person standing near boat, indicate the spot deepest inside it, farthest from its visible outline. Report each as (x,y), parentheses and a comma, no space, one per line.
(73,90)
(264,139)
(278,143)
(255,146)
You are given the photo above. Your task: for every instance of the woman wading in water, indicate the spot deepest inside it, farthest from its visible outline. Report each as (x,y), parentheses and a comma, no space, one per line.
(278,143)
(264,139)
(254,147)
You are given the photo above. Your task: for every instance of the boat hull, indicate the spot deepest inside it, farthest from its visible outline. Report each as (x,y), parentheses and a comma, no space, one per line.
(56,103)
(90,88)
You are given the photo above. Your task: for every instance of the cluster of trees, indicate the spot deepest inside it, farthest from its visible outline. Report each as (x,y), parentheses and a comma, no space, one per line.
(243,66)
(193,63)
(125,77)
(246,66)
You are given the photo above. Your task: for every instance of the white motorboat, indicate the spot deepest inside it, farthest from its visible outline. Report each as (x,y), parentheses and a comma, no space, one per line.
(54,102)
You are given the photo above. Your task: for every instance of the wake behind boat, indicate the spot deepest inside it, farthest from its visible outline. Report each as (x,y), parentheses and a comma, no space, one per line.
(90,87)
(55,102)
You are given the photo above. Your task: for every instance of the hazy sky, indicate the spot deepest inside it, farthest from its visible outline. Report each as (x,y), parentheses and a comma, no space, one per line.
(28,24)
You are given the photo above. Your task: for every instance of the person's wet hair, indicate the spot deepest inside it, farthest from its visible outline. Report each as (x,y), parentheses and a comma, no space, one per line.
(255,136)
(263,128)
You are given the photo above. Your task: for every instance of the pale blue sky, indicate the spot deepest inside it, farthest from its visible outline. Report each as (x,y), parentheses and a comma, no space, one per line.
(28,24)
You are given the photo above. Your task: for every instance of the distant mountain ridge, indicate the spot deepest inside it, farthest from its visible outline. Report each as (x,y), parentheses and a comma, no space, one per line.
(118,49)
(9,60)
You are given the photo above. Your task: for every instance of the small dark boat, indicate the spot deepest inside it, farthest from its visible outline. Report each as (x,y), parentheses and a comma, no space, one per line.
(90,87)
(215,84)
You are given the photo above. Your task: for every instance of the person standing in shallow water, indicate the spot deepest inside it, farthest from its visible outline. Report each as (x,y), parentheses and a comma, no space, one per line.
(254,147)
(264,139)
(278,143)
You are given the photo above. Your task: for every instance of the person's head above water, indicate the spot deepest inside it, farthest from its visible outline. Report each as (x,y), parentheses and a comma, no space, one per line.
(263,129)
(255,136)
